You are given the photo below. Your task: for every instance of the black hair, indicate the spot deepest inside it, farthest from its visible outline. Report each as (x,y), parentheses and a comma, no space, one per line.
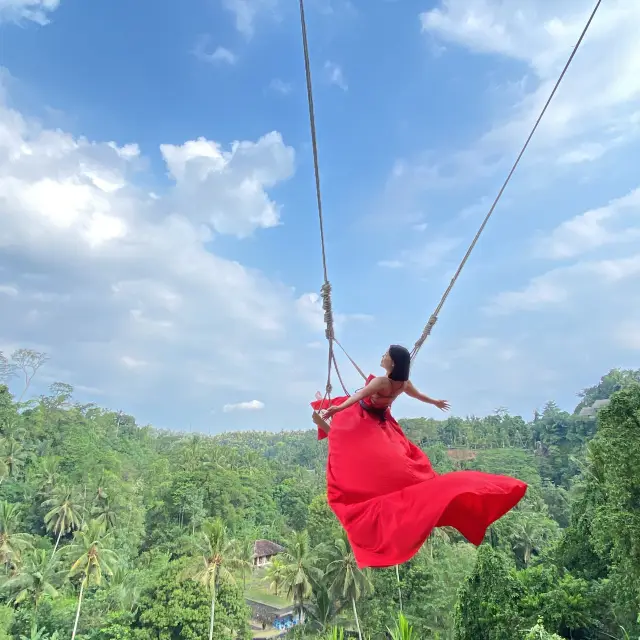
(401,363)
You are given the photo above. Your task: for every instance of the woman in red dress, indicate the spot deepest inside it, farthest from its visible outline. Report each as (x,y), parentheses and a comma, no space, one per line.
(382,487)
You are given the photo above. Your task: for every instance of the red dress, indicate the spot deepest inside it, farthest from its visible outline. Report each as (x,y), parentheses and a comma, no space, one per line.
(388,498)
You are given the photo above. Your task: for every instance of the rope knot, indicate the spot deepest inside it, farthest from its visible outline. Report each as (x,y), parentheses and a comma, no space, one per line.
(327,307)
(426,332)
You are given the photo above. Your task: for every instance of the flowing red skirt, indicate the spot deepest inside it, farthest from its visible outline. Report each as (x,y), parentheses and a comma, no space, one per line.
(388,498)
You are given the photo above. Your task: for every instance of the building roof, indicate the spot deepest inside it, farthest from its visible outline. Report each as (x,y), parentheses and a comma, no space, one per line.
(262,548)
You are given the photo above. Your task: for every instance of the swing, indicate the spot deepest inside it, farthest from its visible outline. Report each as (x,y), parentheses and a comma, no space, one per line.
(326,287)
(380,485)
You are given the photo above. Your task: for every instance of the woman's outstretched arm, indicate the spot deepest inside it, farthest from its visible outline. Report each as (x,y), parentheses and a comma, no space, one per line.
(410,390)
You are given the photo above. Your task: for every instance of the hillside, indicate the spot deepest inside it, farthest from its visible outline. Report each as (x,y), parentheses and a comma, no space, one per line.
(137,525)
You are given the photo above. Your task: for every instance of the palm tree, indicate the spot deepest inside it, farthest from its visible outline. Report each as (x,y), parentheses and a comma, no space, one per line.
(92,559)
(300,571)
(104,513)
(4,471)
(275,575)
(322,610)
(13,455)
(46,474)
(345,579)
(217,563)
(36,579)
(64,513)
(244,556)
(12,544)
(125,589)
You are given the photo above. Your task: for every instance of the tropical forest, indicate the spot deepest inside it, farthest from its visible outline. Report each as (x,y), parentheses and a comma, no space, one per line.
(113,530)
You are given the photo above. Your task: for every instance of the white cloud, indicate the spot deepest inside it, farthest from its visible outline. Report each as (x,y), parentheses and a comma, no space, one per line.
(133,363)
(247,12)
(616,223)
(570,285)
(597,105)
(628,335)
(424,257)
(335,75)
(280,86)
(252,405)
(116,283)
(35,10)
(8,290)
(219,55)
(227,189)
(390,264)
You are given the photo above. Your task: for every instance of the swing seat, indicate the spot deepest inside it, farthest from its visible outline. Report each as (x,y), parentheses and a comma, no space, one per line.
(320,422)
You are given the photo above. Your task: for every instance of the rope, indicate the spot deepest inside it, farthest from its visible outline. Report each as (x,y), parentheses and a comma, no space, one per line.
(351,360)
(326,287)
(434,316)
(325,291)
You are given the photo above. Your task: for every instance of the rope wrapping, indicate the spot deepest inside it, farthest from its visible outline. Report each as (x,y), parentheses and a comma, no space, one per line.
(426,332)
(327,307)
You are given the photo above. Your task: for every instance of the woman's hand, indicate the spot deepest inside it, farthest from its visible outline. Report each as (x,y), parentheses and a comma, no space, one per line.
(331,411)
(443,405)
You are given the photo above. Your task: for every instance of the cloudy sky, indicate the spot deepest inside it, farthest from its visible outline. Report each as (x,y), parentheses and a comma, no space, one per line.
(158,232)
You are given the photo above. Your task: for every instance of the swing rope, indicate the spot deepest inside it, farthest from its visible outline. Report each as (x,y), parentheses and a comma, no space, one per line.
(426,332)
(326,287)
(325,291)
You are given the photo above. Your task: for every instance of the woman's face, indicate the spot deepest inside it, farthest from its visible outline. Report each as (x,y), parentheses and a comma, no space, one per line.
(386,362)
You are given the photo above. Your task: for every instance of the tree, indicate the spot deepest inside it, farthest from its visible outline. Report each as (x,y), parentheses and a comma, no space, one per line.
(538,632)
(64,513)
(6,620)
(244,558)
(293,497)
(322,610)
(91,558)
(323,526)
(104,513)
(27,362)
(615,528)
(487,604)
(7,369)
(218,561)
(46,474)
(345,579)
(38,577)
(173,607)
(12,544)
(13,456)
(300,570)
(276,574)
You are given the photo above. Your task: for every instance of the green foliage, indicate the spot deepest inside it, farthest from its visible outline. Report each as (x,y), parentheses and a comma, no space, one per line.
(176,607)
(78,482)
(538,632)
(323,526)
(487,605)
(403,630)
(6,621)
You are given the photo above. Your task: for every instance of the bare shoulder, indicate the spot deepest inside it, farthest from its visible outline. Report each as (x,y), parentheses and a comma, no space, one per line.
(408,388)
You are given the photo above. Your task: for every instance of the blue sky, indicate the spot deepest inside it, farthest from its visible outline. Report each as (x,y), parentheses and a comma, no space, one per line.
(159,236)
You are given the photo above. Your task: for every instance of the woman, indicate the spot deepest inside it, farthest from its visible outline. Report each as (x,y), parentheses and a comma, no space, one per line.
(382,487)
